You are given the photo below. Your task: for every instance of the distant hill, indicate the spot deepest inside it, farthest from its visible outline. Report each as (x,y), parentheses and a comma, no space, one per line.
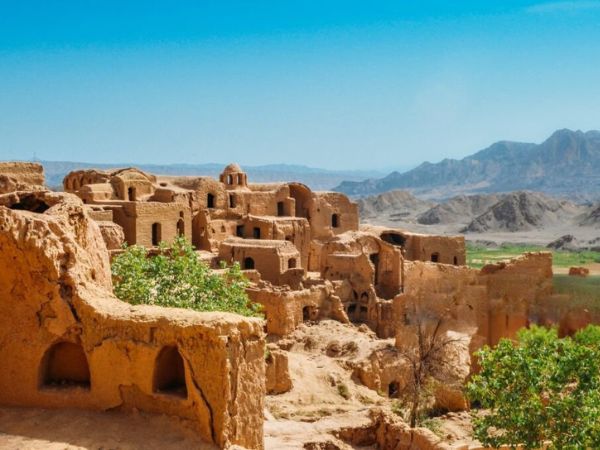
(592,218)
(524,211)
(567,163)
(395,204)
(458,209)
(316,179)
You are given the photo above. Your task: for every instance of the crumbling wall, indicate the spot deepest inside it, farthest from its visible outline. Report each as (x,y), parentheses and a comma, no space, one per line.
(22,174)
(66,341)
(278,380)
(441,249)
(487,305)
(423,247)
(285,309)
(76,179)
(113,235)
(514,287)
(293,229)
(332,213)
(277,261)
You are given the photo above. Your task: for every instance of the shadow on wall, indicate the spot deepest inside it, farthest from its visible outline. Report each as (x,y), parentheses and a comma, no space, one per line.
(65,365)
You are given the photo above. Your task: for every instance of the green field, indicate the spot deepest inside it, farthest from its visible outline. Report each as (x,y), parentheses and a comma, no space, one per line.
(585,292)
(477,256)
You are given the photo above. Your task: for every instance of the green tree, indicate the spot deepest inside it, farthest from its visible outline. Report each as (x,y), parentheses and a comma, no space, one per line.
(176,277)
(539,389)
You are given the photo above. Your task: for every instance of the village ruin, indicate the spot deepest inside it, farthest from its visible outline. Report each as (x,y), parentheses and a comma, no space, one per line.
(67,341)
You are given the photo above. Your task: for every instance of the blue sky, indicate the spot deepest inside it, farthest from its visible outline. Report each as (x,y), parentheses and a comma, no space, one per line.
(334,84)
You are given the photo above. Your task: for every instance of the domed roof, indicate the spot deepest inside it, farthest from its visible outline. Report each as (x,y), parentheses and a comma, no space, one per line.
(232,168)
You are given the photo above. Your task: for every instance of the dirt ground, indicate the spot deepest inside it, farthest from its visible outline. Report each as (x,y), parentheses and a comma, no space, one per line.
(43,429)
(316,406)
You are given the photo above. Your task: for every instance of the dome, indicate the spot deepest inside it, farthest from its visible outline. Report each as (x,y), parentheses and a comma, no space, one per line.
(232,168)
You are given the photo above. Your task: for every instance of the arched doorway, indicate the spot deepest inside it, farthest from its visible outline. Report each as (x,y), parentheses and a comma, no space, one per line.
(65,365)
(169,373)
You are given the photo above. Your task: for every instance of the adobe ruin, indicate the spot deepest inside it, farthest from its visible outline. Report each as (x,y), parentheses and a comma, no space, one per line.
(305,251)
(68,342)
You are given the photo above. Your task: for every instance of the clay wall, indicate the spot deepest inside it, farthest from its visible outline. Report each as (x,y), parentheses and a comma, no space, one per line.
(284,310)
(441,249)
(488,304)
(172,195)
(273,259)
(76,179)
(454,296)
(292,229)
(214,231)
(67,342)
(23,173)
(421,247)
(99,213)
(149,223)
(131,189)
(96,193)
(513,288)
(211,194)
(273,202)
(112,234)
(332,213)
(303,199)
(383,270)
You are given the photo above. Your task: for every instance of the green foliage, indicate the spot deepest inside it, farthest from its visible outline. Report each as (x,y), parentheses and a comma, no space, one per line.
(175,277)
(478,256)
(540,389)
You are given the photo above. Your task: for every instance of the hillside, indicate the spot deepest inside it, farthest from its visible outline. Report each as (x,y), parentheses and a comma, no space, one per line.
(524,211)
(567,163)
(316,179)
(521,217)
(592,218)
(394,204)
(458,209)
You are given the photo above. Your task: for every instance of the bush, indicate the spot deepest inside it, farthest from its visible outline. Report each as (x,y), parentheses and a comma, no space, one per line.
(541,389)
(177,278)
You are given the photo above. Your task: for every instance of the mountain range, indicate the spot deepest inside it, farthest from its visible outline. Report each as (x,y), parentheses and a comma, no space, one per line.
(316,179)
(523,217)
(567,164)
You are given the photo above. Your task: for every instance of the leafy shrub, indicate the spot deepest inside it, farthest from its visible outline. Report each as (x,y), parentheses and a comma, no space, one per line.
(541,389)
(176,277)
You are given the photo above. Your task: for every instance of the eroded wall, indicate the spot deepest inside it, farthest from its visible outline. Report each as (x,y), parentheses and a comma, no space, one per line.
(66,341)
